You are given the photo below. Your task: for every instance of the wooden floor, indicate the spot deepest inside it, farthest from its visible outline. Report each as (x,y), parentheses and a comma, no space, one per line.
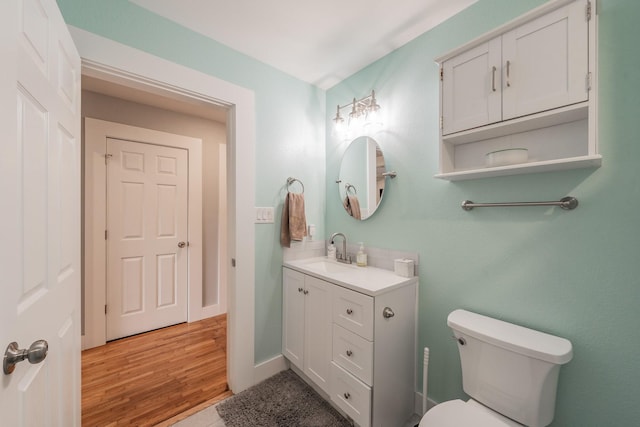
(149,378)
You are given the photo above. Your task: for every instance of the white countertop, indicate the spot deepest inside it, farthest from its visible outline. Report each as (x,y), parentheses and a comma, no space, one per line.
(367,280)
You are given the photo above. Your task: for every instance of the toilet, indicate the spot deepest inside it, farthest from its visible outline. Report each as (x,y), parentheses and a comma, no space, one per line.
(509,372)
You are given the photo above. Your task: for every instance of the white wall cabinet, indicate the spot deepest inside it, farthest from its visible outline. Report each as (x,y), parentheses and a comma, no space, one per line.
(306,337)
(371,345)
(528,84)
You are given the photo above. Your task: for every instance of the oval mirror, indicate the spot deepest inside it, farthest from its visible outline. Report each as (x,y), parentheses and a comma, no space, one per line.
(361,181)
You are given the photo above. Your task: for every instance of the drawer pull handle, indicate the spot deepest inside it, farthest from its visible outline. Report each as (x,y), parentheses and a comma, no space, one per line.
(349,353)
(349,311)
(347,395)
(299,289)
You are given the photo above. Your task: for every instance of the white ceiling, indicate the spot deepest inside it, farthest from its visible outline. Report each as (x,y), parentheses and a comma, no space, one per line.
(318,41)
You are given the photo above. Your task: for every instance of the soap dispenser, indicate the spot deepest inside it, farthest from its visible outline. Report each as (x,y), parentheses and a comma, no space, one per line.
(331,251)
(361,257)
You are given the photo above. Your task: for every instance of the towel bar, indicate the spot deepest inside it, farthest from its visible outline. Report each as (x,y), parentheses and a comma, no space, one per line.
(566,203)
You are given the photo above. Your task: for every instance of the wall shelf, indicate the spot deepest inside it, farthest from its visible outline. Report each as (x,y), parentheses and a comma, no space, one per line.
(532,167)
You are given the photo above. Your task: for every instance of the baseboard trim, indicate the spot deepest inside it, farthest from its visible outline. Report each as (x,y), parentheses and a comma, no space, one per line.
(269,368)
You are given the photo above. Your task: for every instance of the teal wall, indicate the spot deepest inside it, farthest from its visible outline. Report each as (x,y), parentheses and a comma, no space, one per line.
(290,136)
(574,274)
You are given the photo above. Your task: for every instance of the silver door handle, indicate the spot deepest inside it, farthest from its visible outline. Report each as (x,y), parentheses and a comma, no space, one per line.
(36,353)
(181,244)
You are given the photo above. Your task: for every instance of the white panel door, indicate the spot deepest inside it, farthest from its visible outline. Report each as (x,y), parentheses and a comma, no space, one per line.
(471,94)
(147,248)
(317,331)
(40,215)
(546,62)
(293,316)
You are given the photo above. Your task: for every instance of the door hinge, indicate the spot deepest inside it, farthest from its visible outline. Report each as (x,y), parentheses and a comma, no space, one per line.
(588,82)
(233,262)
(107,157)
(588,11)
(441,74)
(105,309)
(441,123)
(106,234)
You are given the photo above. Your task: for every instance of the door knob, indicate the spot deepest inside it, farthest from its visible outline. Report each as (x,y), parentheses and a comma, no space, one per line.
(181,244)
(36,353)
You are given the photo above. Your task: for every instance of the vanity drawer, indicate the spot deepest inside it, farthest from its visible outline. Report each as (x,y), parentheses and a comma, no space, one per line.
(353,311)
(351,395)
(353,353)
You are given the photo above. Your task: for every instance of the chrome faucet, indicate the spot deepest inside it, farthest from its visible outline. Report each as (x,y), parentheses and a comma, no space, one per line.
(342,257)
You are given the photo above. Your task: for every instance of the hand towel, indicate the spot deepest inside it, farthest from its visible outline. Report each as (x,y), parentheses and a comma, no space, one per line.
(352,206)
(294,223)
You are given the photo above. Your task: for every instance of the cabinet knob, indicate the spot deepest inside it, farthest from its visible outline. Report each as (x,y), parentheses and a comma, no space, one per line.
(347,395)
(387,313)
(300,289)
(305,292)
(349,311)
(349,353)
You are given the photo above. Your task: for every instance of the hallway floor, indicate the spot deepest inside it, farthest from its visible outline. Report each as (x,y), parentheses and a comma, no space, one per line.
(149,378)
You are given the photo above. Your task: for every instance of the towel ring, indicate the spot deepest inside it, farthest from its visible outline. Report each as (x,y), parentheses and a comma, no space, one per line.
(348,187)
(291,180)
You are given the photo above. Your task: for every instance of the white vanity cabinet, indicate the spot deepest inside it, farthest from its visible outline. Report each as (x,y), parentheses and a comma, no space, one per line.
(306,332)
(370,349)
(528,84)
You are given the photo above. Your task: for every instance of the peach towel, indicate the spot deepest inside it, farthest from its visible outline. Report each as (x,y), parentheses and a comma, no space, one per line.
(294,223)
(352,205)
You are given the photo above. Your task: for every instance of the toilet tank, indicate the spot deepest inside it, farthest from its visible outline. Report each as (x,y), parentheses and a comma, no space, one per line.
(509,368)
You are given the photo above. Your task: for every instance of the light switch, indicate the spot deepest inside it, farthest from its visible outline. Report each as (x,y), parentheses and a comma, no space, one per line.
(264,215)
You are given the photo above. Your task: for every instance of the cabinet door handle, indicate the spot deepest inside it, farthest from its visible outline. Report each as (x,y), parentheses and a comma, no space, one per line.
(493,78)
(349,311)
(349,353)
(347,395)
(508,72)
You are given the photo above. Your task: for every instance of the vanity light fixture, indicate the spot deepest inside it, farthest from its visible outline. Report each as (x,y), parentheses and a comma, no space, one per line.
(364,118)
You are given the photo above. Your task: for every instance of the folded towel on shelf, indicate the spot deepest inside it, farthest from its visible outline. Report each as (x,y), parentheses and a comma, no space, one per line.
(352,206)
(294,223)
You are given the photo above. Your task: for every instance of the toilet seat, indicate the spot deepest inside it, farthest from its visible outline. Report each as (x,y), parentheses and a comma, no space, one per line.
(458,413)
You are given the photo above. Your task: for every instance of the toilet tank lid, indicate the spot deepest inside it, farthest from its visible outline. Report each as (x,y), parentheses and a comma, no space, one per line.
(512,337)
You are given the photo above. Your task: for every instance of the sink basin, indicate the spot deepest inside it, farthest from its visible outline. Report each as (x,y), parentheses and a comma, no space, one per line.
(329,267)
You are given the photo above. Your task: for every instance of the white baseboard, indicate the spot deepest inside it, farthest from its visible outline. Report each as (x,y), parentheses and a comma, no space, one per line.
(269,368)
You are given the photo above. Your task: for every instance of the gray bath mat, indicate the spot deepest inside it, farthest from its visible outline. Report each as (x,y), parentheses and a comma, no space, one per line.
(283,400)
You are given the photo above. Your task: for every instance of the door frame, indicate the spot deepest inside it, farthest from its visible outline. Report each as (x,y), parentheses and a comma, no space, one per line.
(95,219)
(114,62)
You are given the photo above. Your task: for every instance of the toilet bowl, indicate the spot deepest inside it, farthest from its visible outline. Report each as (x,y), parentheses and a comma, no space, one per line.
(510,373)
